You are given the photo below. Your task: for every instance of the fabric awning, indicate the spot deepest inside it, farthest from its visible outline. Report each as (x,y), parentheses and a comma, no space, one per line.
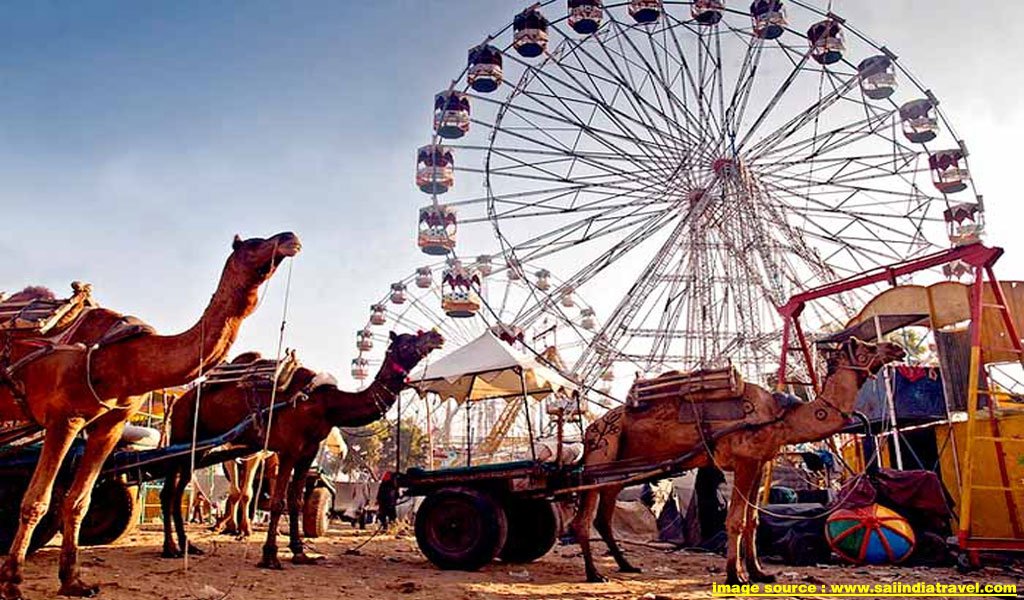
(488,368)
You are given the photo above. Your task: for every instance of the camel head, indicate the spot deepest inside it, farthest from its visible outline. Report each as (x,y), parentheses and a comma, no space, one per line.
(406,350)
(254,260)
(864,357)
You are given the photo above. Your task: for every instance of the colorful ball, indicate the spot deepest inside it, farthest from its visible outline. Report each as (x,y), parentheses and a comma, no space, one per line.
(871,535)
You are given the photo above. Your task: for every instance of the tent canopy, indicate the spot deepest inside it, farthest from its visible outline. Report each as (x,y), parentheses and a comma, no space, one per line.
(488,368)
(946,304)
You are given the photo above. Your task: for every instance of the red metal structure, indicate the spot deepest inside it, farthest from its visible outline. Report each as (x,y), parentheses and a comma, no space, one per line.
(981,260)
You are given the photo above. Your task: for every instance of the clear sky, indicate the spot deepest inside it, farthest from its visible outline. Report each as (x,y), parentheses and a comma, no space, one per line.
(136,138)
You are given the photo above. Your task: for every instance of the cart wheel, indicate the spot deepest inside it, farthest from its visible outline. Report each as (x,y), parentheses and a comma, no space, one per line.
(532,529)
(11,491)
(113,513)
(316,516)
(460,528)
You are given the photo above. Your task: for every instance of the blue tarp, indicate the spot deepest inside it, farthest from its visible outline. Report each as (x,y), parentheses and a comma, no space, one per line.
(917,394)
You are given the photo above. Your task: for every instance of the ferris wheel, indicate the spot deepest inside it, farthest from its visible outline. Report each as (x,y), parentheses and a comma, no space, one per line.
(690,165)
(462,301)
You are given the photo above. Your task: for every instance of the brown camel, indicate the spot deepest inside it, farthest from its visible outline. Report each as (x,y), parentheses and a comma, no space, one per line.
(295,433)
(70,388)
(654,433)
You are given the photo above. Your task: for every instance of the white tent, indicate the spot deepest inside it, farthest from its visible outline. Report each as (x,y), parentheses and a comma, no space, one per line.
(488,368)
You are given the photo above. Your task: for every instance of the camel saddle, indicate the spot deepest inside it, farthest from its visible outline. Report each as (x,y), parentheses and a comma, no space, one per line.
(703,395)
(705,385)
(259,374)
(41,316)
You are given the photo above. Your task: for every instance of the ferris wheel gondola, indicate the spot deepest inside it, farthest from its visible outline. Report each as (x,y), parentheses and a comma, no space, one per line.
(692,164)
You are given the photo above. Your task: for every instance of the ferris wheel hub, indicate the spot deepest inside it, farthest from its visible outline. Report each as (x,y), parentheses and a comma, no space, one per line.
(725,167)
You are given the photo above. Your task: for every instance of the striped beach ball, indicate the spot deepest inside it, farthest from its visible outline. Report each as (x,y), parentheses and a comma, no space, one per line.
(872,534)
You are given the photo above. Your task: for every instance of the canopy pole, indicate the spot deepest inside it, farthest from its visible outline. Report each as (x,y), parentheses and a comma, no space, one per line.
(430,436)
(529,421)
(469,442)
(398,436)
(890,399)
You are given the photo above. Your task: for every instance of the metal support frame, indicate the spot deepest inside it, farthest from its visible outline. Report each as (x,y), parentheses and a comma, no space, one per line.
(967,541)
(981,258)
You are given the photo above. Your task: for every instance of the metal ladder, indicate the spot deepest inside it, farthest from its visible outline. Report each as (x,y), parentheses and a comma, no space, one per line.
(970,543)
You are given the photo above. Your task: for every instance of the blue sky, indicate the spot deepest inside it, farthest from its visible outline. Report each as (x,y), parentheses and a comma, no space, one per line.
(136,138)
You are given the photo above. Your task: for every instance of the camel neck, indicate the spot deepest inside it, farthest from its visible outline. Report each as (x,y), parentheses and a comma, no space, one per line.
(356,409)
(163,361)
(828,413)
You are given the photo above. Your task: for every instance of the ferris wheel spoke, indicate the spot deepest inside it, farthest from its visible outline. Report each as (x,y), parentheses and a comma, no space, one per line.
(539,203)
(820,143)
(562,238)
(599,135)
(697,89)
(795,238)
(641,106)
(529,160)
(702,83)
(634,90)
(744,87)
(636,236)
(809,116)
(633,301)
(661,139)
(664,94)
(640,151)
(794,182)
(869,227)
(578,89)
(605,104)
(798,67)
(596,207)
(836,178)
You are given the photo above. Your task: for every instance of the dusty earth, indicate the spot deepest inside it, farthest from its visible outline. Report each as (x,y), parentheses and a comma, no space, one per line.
(390,566)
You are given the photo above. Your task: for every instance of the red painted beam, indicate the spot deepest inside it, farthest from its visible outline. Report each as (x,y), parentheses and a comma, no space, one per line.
(976,255)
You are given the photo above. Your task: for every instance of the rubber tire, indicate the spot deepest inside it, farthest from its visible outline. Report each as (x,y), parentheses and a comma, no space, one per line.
(11,491)
(316,514)
(532,530)
(113,513)
(460,528)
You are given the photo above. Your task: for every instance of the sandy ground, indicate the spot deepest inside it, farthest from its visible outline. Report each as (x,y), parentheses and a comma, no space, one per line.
(390,566)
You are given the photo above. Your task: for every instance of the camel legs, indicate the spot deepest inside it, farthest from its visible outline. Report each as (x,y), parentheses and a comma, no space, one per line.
(36,502)
(179,518)
(295,505)
(277,504)
(748,543)
(581,529)
(104,434)
(603,524)
(170,501)
(744,487)
(246,481)
(227,523)
(166,503)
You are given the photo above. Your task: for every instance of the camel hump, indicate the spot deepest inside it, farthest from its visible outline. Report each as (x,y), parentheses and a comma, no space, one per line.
(33,292)
(36,310)
(246,358)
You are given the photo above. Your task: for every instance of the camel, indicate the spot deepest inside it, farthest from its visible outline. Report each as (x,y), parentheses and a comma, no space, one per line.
(654,433)
(69,388)
(296,431)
